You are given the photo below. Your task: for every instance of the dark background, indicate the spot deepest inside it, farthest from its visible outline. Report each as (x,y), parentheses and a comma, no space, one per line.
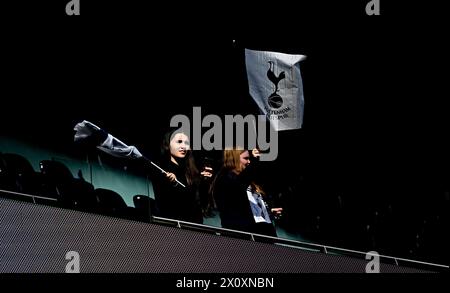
(374,88)
(376,115)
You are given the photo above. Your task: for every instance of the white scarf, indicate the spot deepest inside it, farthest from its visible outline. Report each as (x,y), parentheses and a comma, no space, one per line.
(258,207)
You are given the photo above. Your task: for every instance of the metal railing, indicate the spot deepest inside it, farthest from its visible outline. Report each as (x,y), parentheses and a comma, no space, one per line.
(332,250)
(298,244)
(32,196)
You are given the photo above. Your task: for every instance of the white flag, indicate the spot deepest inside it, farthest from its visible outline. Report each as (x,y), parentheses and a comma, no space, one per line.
(275,83)
(110,145)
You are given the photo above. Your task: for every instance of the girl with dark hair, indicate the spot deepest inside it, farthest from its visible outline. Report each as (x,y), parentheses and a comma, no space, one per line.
(172,199)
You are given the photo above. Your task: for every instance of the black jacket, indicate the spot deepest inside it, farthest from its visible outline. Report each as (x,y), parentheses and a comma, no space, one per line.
(174,201)
(230,193)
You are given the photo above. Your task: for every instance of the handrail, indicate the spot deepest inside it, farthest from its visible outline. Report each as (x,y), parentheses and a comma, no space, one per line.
(325,248)
(29,195)
(276,240)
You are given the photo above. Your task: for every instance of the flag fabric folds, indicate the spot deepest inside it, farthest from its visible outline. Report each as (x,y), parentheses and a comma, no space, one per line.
(110,145)
(275,83)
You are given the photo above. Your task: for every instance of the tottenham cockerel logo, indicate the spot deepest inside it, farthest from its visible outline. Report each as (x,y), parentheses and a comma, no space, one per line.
(274,100)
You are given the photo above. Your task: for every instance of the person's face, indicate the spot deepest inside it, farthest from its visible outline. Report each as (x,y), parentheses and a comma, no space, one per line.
(179,145)
(245,159)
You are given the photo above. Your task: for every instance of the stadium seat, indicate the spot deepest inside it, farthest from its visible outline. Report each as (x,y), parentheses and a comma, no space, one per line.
(74,193)
(17,174)
(145,206)
(112,204)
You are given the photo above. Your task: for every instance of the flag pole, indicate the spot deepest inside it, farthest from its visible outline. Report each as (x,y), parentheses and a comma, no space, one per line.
(162,170)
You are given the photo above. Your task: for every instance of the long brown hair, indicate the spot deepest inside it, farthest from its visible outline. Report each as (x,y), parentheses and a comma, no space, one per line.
(191,172)
(232,160)
(232,163)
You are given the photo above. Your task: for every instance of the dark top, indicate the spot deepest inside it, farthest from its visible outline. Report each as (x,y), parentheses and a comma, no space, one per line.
(174,201)
(230,193)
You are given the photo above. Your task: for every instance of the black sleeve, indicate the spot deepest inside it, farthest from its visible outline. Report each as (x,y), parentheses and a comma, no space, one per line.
(249,174)
(159,178)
